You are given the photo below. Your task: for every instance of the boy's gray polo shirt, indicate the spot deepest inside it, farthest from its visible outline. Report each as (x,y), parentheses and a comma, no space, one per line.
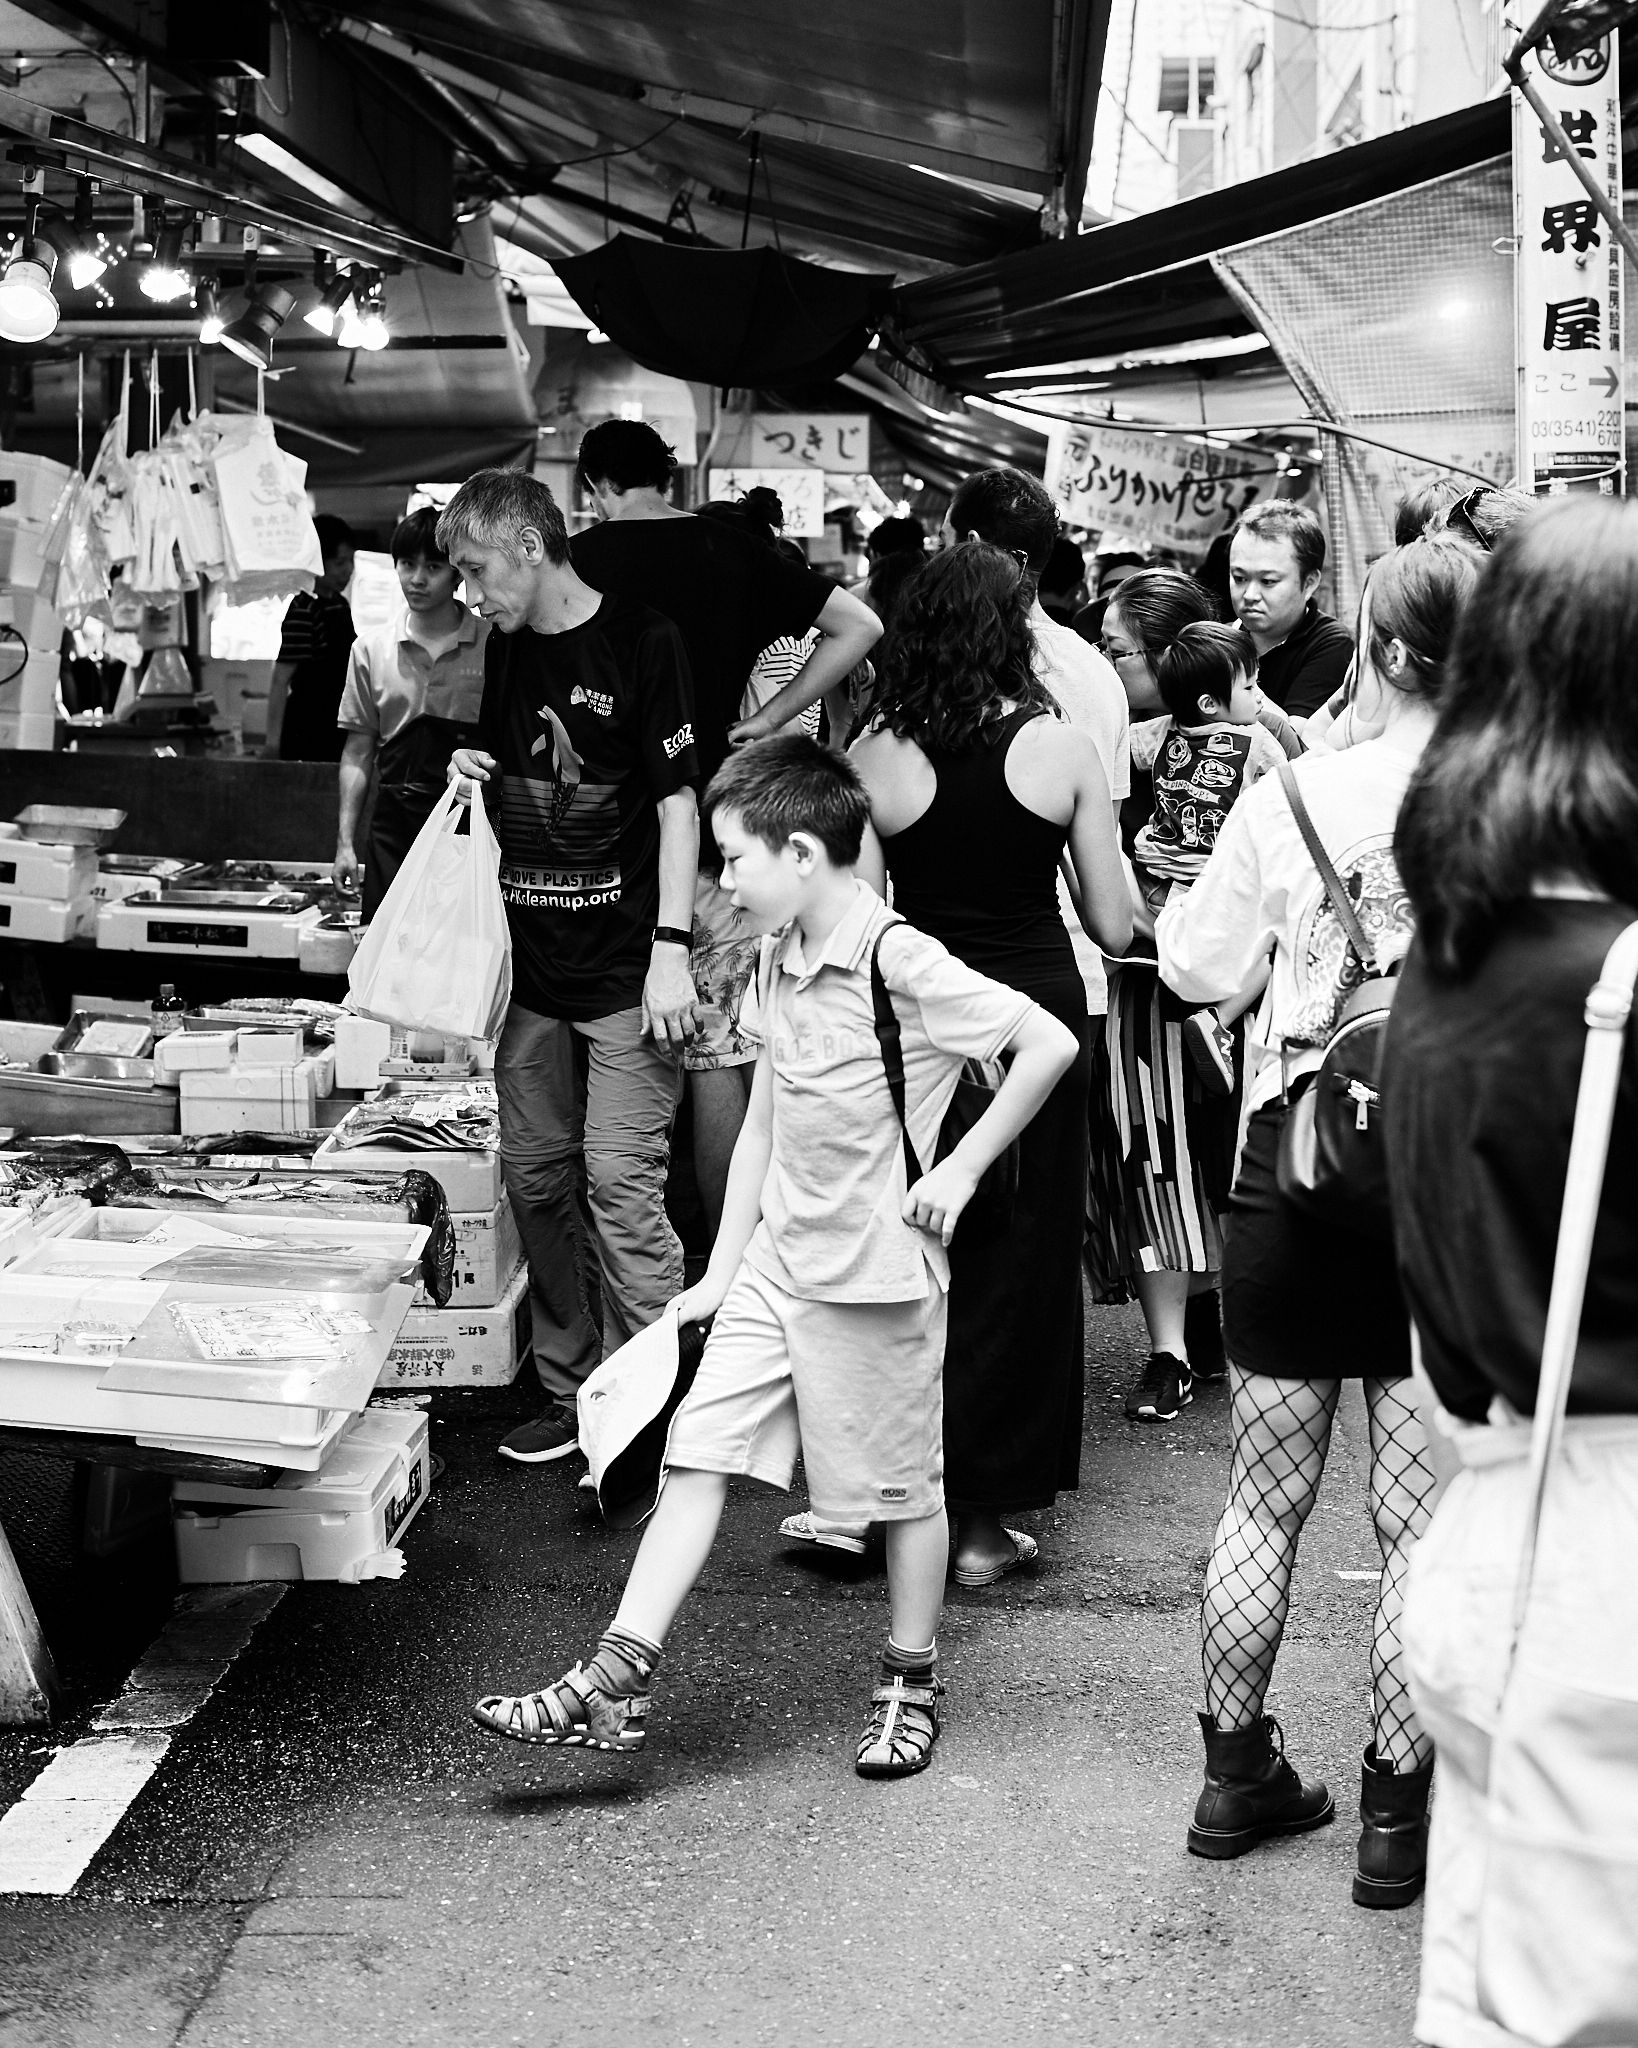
(831,1225)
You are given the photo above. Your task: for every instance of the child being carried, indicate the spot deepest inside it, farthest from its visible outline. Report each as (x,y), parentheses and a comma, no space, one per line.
(1204,756)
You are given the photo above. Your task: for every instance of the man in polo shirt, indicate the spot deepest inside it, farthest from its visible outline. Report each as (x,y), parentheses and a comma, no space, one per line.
(1275,562)
(414,689)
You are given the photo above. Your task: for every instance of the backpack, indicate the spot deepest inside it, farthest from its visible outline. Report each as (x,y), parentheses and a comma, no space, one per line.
(997,1190)
(1331,1162)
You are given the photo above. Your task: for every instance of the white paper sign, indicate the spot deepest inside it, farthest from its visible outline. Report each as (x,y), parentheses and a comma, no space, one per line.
(836,441)
(1571,416)
(801,493)
(1160,488)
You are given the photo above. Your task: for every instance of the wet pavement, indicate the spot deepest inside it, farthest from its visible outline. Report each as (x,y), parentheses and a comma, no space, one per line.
(330,1854)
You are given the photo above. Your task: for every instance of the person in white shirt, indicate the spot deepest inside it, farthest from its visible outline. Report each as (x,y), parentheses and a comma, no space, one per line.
(413,692)
(1308,1303)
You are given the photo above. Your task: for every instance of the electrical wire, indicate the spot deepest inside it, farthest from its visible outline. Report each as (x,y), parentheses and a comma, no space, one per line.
(1328,27)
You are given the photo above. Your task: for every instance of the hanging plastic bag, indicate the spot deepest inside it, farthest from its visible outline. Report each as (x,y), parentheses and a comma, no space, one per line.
(264,513)
(438,956)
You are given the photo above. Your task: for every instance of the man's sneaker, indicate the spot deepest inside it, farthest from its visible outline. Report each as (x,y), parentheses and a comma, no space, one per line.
(554,1433)
(1211,1047)
(1163,1392)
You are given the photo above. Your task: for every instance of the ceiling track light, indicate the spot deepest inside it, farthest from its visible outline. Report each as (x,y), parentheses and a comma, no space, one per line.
(164,278)
(372,320)
(324,315)
(208,305)
(28,309)
(251,336)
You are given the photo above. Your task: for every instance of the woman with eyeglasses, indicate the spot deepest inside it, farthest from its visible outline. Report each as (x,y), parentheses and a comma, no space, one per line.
(978,788)
(1162,1149)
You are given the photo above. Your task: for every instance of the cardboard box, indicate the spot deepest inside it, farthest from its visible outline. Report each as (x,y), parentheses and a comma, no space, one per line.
(29,867)
(488,1251)
(463,1347)
(35,917)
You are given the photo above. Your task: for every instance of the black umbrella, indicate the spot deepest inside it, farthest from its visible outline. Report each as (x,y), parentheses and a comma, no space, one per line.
(729,317)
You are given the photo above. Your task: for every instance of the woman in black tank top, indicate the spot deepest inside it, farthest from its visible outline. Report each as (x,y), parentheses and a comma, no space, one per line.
(977,788)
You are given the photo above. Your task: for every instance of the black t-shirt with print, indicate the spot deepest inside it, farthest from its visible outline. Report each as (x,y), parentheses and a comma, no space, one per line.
(1309,666)
(591,729)
(728,594)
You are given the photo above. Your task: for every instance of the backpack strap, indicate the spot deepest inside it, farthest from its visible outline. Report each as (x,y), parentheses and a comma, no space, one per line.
(1340,900)
(891,1040)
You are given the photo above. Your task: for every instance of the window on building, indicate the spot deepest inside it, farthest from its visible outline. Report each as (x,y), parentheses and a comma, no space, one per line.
(1186,84)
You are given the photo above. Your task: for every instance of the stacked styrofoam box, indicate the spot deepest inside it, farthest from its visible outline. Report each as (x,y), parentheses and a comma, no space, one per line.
(28,702)
(45,891)
(343,1521)
(250,1080)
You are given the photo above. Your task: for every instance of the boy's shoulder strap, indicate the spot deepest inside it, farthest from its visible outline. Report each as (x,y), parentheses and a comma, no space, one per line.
(890,1037)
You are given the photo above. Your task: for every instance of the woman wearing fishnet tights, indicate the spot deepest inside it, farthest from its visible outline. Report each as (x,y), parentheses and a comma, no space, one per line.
(1307,1304)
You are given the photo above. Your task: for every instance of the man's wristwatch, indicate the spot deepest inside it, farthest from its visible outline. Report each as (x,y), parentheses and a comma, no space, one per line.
(672,935)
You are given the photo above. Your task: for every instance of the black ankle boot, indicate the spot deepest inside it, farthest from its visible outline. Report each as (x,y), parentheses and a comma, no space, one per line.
(1393,1843)
(1251,1791)
(1203,1337)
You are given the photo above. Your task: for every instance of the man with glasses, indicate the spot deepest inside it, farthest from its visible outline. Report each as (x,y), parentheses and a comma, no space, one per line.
(1275,562)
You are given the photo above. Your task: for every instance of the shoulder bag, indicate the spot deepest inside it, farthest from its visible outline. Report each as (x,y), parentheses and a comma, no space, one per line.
(1331,1162)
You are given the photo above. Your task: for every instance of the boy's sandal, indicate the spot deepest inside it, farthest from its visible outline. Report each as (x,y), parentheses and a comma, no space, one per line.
(575,1713)
(1025,1551)
(903,1726)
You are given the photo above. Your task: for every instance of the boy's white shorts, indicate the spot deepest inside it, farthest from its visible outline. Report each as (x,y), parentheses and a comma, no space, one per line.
(856,1387)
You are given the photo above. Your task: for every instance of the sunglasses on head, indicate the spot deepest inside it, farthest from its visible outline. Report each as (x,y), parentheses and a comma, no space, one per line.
(1462,511)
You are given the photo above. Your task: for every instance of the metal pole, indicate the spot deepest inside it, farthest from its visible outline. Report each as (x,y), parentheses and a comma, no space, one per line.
(1561,142)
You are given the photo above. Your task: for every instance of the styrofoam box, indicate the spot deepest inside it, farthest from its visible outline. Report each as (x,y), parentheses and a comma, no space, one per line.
(27,612)
(28,732)
(22,555)
(487,1251)
(463,1347)
(33,690)
(184,1052)
(471,1181)
(61,873)
(17,1234)
(278,1046)
(33,917)
(36,484)
(342,1522)
(250,1099)
(362,1043)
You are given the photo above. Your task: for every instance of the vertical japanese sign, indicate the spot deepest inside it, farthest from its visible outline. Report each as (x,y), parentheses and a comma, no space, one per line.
(1571,421)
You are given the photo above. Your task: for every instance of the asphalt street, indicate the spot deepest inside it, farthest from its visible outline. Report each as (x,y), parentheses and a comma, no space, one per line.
(330,1854)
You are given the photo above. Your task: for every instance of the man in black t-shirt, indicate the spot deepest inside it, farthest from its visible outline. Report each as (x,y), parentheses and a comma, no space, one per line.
(730,597)
(586,750)
(1275,562)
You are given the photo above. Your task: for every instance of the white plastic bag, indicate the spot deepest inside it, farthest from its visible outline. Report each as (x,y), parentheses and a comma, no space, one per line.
(438,956)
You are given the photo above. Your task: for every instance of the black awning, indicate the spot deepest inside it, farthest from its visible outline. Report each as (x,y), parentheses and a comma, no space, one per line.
(1149,282)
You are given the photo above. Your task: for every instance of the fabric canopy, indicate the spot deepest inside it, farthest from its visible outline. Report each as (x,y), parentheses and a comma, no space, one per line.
(727,317)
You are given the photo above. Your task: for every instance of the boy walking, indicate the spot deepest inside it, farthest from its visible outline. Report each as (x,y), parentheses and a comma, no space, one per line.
(829,1275)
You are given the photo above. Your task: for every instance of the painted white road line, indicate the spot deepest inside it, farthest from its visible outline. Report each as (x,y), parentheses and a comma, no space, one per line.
(1363,1577)
(49,1837)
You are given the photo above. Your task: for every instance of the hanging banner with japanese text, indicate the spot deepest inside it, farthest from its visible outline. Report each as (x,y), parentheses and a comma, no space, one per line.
(1570,412)
(1160,488)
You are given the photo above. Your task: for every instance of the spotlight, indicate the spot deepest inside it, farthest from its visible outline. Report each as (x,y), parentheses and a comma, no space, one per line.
(76,240)
(164,277)
(207,303)
(372,322)
(28,312)
(250,337)
(324,315)
(350,327)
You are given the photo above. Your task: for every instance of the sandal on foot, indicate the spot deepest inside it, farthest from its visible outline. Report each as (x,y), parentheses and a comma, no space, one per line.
(803,1528)
(903,1726)
(1025,1551)
(575,1713)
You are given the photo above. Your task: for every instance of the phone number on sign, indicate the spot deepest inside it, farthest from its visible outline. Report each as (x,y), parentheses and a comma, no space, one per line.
(1603,429)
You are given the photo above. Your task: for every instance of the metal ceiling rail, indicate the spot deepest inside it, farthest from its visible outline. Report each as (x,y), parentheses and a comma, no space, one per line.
(116,159)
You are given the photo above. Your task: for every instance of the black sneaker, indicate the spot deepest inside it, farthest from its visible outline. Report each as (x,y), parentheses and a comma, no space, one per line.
(1163,1392)
(1211,1047)
(554,1433)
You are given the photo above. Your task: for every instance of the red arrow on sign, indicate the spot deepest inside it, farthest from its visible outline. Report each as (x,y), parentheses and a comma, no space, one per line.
(1607,380)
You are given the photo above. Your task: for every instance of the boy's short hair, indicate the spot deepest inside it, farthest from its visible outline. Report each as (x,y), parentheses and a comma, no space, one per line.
(493,507)
(415,537)
(792,784)
(1202,661)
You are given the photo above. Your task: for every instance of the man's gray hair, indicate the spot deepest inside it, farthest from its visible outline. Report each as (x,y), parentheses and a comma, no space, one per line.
(492,508)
